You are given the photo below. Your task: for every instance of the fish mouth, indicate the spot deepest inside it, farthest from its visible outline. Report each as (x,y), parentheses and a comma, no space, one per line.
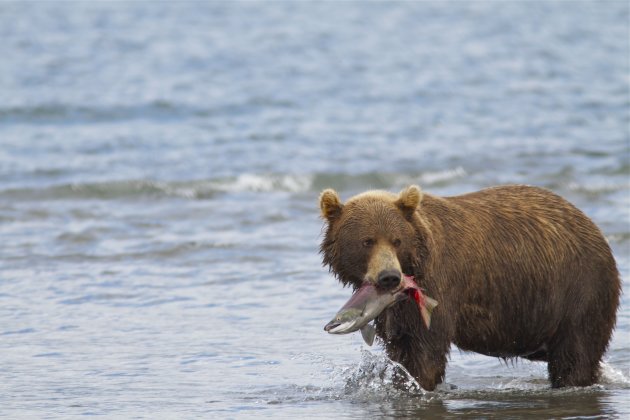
(336,327)
(331,326)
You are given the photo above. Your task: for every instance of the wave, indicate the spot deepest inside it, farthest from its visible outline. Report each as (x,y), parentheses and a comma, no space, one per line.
(208,188)
(593,189)
(202,189)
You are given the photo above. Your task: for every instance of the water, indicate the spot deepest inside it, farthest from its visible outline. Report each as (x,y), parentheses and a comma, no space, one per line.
(159,172)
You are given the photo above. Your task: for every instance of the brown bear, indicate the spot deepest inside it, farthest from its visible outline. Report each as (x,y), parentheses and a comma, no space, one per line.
(517,270)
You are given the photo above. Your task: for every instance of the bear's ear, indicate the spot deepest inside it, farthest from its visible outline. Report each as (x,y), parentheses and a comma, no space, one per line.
(330,204)
(409,200)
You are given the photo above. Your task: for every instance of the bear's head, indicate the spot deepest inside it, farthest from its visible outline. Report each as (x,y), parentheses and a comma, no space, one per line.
(374,237)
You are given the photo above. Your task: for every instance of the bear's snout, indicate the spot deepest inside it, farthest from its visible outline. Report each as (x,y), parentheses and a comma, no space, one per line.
(388,279)
(383,269)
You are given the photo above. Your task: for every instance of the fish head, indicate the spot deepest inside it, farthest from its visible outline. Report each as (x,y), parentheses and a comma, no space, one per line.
(346,321)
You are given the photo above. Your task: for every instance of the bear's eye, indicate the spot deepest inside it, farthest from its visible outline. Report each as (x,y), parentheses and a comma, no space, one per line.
(368,243)
(396,242)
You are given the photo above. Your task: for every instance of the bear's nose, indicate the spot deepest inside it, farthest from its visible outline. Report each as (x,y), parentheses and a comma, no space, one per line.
(388,279)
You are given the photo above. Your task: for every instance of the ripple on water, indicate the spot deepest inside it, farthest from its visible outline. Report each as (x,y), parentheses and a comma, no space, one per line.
(17,332)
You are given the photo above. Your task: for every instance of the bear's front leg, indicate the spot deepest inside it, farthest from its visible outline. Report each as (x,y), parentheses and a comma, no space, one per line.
(423,352)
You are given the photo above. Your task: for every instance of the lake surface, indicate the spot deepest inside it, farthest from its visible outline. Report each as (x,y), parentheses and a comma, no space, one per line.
(160,166)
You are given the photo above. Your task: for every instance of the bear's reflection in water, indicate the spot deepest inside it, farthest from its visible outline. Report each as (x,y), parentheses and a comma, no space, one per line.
(513,404)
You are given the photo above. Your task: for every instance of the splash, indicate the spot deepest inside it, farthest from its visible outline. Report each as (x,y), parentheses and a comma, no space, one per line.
(376,377)
(613,378)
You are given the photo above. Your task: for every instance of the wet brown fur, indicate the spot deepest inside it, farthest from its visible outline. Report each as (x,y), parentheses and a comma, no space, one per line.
(517,271)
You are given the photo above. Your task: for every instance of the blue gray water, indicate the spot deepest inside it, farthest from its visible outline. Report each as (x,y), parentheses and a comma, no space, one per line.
(160,165)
